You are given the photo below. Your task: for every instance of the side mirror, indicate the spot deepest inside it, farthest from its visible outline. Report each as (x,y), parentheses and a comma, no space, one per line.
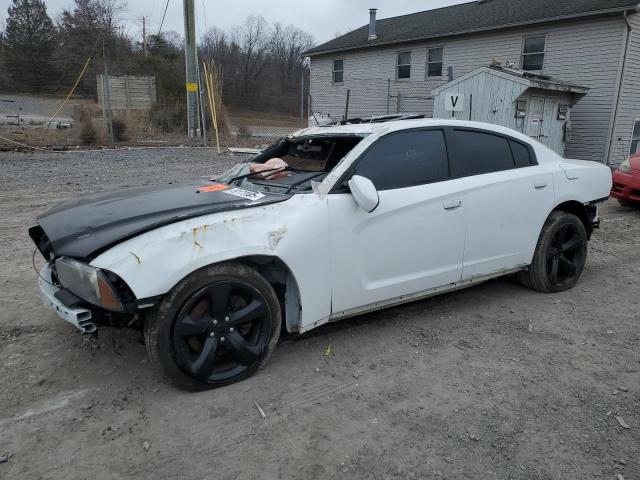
(364,193)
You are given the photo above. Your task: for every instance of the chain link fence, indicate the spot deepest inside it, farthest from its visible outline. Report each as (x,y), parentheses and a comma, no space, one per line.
(147,103)
(148,106)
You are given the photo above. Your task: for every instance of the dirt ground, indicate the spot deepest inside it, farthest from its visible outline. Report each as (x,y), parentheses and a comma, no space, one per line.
(493,382)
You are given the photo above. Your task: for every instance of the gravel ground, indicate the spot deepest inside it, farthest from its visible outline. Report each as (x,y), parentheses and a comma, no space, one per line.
(495,381)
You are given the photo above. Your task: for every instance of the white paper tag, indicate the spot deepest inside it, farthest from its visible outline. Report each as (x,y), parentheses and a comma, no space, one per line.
(248,194)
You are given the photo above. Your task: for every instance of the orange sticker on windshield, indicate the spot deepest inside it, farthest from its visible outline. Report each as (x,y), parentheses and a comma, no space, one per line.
(216,187)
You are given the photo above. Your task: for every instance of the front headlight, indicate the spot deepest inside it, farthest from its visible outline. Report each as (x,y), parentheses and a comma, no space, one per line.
(625,167)
(88,283)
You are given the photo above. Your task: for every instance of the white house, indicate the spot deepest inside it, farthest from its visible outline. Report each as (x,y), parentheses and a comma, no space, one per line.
(395,64)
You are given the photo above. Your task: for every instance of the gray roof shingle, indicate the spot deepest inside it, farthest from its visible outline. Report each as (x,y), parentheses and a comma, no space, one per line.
(470,17)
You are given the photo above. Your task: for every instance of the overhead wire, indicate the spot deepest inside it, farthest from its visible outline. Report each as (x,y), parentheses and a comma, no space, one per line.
(153,9)
(164,14)
(75,85)
(204,16)
(73,89)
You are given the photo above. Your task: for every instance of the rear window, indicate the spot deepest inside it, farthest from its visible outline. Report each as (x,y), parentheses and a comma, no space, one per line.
(480,153)
(521,154)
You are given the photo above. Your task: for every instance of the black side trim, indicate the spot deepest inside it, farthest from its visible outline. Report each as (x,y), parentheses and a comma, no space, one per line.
(68,299)
(148,302)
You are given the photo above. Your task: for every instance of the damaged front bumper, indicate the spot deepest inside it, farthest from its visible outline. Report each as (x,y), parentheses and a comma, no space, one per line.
(63,303)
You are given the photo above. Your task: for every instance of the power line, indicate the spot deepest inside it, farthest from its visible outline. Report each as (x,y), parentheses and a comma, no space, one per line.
(204,15)
(153,9)
(166,5)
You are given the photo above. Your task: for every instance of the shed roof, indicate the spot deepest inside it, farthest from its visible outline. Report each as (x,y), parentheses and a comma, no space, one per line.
(527,79)
(531,80)
(470,18)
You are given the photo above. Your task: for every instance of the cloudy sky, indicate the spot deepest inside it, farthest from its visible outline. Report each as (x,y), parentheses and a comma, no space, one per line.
(322,18)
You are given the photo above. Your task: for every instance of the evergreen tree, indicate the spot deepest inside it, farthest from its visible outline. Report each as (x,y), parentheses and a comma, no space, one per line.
(82,31)
(29,42)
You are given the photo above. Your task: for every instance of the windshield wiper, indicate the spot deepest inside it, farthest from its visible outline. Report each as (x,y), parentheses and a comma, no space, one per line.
(274,170)
(297,184)
(249,175)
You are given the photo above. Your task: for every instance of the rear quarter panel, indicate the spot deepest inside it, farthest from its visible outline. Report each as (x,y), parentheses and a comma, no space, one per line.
(582,181)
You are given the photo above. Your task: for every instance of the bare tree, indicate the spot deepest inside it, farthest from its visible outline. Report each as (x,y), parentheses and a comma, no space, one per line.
(261,64)
(82,30)
(214,46)
(286,47)
(248,52)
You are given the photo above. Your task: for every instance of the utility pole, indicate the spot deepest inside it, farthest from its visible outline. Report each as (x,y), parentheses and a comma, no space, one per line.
(302,96)
(144,36)
(106,98)
(191,67)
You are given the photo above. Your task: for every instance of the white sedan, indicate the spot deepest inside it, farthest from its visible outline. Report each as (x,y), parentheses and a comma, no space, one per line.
(327,223)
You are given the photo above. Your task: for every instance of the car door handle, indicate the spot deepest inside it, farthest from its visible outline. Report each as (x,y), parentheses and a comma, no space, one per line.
(452,204)
(540,185)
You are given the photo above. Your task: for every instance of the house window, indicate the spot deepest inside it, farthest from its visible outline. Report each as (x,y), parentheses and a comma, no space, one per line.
(635,138)
(434,62)
(533,52)
(338,71)
(403,67)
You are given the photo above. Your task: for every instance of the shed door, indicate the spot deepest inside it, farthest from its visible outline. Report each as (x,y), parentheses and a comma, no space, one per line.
(540,120)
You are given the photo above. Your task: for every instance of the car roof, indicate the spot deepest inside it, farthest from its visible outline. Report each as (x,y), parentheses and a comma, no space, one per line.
(398,125)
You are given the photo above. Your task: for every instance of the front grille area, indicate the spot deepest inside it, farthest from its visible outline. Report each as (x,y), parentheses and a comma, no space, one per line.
(42,242)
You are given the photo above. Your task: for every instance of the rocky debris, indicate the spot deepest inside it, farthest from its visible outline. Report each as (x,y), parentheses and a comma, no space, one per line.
(622,423)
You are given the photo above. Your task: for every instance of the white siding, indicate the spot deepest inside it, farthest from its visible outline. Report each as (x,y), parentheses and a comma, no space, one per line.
(629,103)
(586,53)
(486,97)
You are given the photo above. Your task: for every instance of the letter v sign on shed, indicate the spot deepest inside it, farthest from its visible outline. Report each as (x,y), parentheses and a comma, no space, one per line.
(454,102)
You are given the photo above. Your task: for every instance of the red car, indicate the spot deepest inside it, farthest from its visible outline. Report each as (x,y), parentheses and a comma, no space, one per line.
(626,182)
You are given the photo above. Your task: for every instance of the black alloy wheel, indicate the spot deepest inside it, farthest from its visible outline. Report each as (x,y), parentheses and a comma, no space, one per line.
(565,255)
(217,326)
(221,331)
(560,255)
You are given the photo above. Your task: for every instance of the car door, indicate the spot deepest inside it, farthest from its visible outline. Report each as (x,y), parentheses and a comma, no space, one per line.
(414,240)
(509,197)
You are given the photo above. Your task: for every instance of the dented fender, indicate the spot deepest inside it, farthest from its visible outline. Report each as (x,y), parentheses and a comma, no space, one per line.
(294,231)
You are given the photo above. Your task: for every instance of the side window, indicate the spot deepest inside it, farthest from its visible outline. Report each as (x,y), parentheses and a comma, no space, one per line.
(406,159)
(403,66)
(338,71)
(434,62)
(479,153)
(635,138)
(533,50)
(521,154)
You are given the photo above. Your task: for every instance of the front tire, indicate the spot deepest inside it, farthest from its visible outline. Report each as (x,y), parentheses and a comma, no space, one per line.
(216,327)
(560,255)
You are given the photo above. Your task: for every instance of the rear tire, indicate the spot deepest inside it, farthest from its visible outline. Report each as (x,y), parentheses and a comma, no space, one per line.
(560,255)
(217,326)
(628,204)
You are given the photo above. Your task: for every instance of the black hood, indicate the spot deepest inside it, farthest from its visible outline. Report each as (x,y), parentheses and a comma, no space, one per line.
(85,226)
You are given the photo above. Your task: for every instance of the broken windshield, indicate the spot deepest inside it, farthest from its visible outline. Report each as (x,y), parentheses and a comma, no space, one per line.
(292,163)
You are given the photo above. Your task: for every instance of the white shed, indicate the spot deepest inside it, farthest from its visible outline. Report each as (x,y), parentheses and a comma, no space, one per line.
(536,105)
